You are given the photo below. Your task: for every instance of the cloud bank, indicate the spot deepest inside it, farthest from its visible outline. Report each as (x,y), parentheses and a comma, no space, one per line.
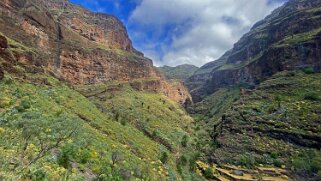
(193,31)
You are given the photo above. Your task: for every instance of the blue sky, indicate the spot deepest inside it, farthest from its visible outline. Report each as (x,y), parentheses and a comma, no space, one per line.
(173,32)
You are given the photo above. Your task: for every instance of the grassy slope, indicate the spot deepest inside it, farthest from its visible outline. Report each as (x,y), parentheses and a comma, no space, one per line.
(158,118)
(208,112)
(257,130)
(103,134)
(143,136)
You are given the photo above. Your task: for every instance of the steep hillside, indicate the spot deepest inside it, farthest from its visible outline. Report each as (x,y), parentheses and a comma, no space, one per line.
(278,123)
(287,39)
(50,131)
(257,106)
(180,72)
(78,102)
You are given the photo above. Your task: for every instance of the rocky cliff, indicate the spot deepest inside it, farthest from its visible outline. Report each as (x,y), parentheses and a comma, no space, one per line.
(72,43)
(287,39)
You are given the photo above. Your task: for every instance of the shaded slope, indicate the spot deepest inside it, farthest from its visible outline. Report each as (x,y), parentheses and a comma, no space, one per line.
(287,39)
(278,123)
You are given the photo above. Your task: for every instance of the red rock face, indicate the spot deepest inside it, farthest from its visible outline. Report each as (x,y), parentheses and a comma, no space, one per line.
(99,66)
(104,29)
(176,91)
(77,45)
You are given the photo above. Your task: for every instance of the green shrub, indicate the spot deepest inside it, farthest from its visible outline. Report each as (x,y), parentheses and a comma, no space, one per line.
(291,74)
(208,173)
(39,175)
(182,160)
(278,99)
(307,163)
(247,160)
(85,156)
(66,156)
(319,175)
(179,169)
(109,174)
(300,164)
(192,161)
(117,116)
(184,141)
(24,105)
(308,70)
(316,164)
(274,154)
(312,96)
(278,163)
(267,159)
(123,122)
(164,158)
(8,81)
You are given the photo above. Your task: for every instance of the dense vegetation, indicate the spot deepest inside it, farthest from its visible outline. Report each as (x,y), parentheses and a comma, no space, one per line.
(276,124)
(50,131)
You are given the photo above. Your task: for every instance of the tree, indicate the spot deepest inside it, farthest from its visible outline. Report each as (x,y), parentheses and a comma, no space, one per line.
(278,99)
(192,161)
(164,158)
(116,157)
(46,133)
(184,141)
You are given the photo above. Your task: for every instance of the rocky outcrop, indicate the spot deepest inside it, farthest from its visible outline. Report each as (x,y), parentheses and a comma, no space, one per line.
(3,46)
(287,39)
(174,90)
(3,42)
(98,27)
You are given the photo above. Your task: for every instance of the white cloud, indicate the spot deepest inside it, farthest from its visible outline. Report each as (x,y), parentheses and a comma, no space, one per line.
(203,29)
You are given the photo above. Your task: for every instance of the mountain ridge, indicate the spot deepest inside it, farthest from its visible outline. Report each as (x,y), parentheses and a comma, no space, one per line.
(180,72)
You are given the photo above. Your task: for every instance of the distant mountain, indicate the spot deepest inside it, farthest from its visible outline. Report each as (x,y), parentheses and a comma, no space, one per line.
(180,72)
(289,38)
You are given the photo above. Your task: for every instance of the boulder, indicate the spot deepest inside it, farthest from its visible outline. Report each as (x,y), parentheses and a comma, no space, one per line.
(3,42)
